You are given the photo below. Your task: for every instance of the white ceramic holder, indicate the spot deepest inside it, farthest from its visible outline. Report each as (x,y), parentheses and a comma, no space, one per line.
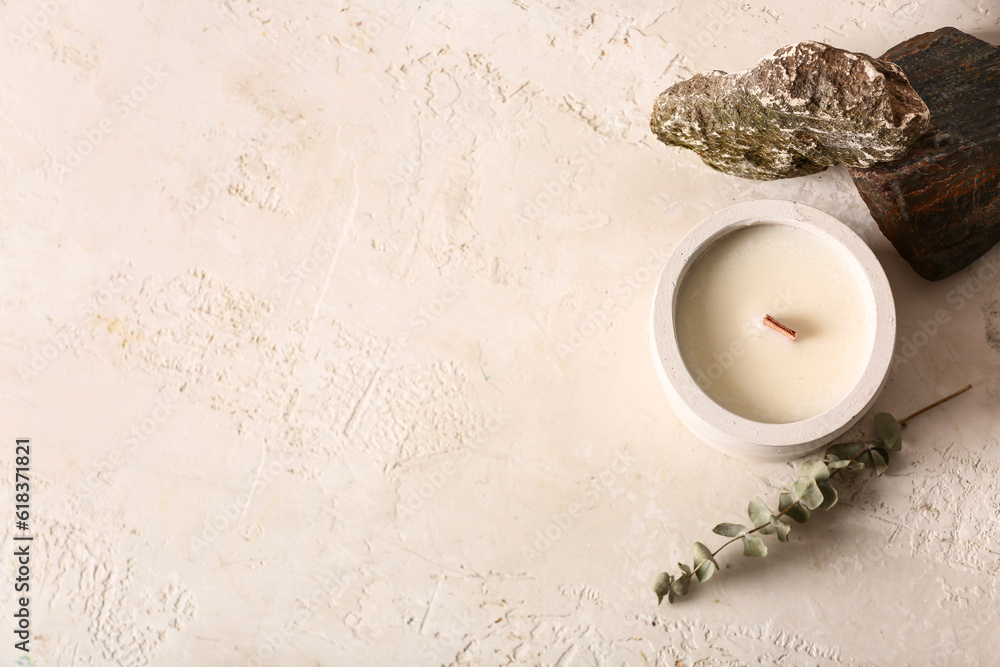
(738,435)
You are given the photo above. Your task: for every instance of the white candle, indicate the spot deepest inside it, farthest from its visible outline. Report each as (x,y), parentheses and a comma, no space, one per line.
(803,282)
(750,390)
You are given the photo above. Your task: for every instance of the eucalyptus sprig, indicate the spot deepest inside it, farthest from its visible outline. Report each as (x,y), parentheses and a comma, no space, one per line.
(811,491)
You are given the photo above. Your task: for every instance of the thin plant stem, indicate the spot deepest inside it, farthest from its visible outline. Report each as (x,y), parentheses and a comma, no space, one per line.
(936,403)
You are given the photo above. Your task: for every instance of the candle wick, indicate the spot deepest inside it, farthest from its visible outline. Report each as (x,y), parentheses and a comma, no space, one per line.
(785,331)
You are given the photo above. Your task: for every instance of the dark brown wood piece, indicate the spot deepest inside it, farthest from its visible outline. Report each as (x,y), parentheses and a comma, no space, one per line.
(939,205)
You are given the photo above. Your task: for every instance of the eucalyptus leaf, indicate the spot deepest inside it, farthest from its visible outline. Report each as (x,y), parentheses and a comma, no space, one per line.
(845,450)
(815,469)
(684,568)
(760,515)
(829,495)
(729,529)
(797,513)
(754,547)
(865,460)
(833,465)
(879,457)
(889,431)
(807,492)
(681,586)
(704,563)
(662,586)
(781,528)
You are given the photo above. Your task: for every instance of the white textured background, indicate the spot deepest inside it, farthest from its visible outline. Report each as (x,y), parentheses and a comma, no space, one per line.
(324,317)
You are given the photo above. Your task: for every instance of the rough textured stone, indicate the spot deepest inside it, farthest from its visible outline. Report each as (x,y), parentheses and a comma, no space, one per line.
(796,112)
(940,204)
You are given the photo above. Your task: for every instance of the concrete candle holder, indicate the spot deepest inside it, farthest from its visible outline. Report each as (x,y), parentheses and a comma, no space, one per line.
(773,437)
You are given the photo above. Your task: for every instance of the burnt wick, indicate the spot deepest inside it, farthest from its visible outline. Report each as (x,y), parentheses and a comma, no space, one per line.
(772,323)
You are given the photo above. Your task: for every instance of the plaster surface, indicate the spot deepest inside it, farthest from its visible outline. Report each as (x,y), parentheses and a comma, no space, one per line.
(328,323)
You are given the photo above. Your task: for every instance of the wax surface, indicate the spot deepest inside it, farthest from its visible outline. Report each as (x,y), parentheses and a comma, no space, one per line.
(800,280)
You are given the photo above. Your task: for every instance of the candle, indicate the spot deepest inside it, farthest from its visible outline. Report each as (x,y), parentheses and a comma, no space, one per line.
(772,328)
(801,281)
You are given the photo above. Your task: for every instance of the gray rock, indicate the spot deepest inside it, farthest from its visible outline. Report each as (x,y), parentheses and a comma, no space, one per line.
(808,106)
